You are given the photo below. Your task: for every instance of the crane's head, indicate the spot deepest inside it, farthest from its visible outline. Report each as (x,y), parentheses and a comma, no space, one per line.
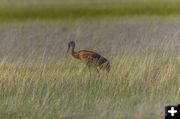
(71,44)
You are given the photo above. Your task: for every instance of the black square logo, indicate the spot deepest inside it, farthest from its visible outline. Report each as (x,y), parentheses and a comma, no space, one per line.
(172,112)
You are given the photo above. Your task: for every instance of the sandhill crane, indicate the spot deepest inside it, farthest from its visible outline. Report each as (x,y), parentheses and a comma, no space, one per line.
(90,58)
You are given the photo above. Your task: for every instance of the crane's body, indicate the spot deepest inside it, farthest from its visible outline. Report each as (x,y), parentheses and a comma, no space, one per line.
(90,58)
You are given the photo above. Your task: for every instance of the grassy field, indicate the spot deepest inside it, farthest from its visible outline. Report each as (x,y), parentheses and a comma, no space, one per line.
(137,88)
(73,11)
(39,80)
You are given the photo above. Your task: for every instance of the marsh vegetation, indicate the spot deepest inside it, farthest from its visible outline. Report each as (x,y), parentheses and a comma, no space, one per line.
(39,80)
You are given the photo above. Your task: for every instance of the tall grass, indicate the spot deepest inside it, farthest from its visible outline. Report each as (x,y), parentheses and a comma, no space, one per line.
(39,80)
(135,89)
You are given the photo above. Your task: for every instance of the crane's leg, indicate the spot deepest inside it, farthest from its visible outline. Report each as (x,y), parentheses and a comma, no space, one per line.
(89,71)
(107,74)
(98,72)
(89,68)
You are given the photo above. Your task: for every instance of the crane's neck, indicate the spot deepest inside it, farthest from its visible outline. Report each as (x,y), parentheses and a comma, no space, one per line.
(72,49)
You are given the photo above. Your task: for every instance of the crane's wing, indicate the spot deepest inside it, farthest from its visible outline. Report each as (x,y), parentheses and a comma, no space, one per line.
(92,57)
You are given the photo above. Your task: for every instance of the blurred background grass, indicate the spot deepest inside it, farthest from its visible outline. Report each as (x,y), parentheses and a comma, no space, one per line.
(24,10)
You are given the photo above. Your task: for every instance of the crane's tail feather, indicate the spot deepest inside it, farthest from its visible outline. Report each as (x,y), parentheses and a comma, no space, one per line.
(106,66)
